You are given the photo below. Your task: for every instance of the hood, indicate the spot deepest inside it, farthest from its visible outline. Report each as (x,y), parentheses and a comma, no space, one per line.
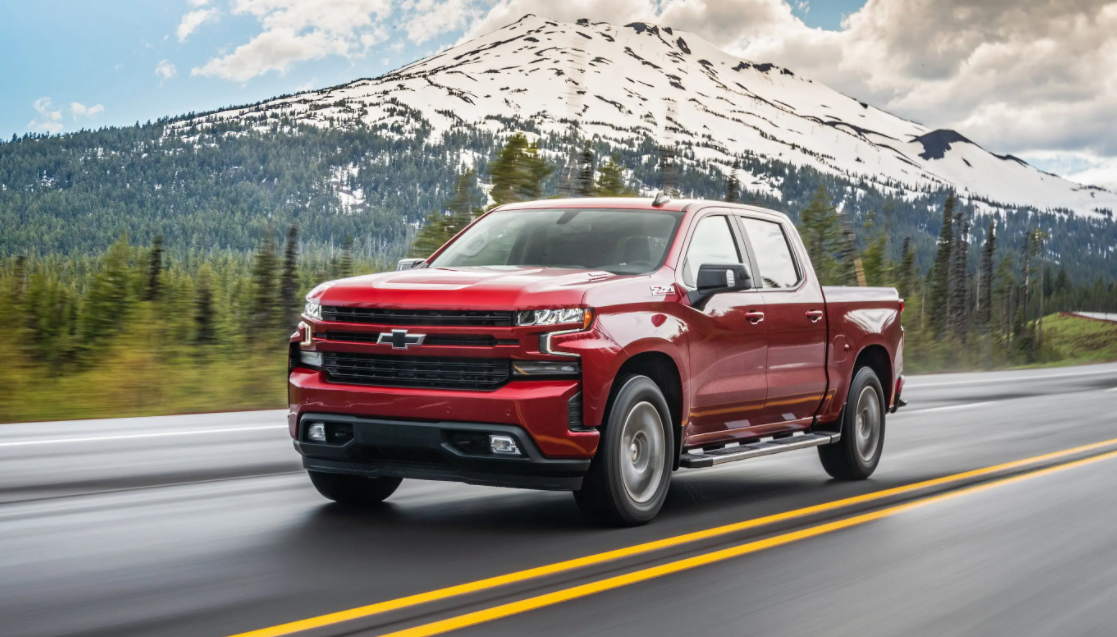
(492,288)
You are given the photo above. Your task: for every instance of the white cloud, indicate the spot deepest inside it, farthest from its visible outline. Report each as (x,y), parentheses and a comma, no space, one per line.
(165,69)
(430,18)
(1083,167)
(49,119)
(300,30)
(77,109)
(191,21)
(197,3)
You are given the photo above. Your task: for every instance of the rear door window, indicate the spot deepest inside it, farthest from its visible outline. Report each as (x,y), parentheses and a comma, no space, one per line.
(774,260)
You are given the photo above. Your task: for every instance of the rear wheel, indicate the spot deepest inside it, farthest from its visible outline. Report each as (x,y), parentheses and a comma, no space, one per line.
(856,455)
(354,490)
(628,479)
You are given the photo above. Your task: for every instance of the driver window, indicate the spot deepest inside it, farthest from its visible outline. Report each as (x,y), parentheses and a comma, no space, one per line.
(712,242)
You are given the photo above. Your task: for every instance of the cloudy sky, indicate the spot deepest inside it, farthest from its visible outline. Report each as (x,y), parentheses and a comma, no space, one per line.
(1036,78)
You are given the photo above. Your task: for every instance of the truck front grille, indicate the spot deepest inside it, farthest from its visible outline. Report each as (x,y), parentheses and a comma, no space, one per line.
(477,374)
(440,340)
(379,316)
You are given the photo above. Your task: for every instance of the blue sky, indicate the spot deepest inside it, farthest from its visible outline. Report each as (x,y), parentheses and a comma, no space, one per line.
(104,56)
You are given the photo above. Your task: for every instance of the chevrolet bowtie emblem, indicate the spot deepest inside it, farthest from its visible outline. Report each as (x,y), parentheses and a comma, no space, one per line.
(400,339)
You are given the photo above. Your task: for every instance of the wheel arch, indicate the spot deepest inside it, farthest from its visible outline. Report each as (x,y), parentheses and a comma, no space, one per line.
(662,369)
(876,358)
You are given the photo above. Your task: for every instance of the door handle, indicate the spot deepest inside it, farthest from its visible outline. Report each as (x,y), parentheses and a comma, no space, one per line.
(815,315)
(754,316)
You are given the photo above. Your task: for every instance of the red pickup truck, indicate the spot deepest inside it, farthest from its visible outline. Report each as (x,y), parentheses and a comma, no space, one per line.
(593,346)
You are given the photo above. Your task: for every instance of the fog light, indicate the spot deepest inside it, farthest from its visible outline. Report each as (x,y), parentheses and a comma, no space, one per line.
(503,445)
(311,359)
(545,368)
(317,432)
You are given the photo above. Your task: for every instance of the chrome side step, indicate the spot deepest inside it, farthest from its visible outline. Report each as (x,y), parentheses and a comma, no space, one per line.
(692,460)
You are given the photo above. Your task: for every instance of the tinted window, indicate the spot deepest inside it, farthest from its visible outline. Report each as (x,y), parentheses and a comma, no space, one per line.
(618,241)
(773,254)
(712,242)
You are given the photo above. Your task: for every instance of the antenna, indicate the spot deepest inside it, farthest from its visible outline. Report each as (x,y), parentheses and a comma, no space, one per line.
(661,198)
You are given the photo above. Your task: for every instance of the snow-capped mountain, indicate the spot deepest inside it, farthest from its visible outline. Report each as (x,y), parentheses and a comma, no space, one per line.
(624,82)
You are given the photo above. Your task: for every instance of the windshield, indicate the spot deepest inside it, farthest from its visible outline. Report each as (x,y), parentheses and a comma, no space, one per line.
(617,241)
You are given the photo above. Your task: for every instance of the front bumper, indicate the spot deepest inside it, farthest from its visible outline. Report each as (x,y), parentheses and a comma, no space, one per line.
(455,451)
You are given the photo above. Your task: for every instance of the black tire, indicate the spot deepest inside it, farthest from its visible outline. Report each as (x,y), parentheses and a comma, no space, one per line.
(628,479)
(354,490)
(856,456)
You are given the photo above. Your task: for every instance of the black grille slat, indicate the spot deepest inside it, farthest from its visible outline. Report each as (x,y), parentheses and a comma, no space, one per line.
(380,316)
(418,371)
(437,340)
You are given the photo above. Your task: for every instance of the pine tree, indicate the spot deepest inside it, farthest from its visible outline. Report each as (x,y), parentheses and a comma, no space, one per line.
(907,269)
(289,279)
(667,170)
(585,182)
(568,177)
(507,171)
(940,286)
(1038,237)
(875,265)
(850,268)
(345,261)
(1021,326)
(985,298)
(518,172)
(733,184)
(204,332)
(154,269)
(610,180)
(959,282)
(537,170)
(440,227)
(821,231)
(106,302)
(264,293)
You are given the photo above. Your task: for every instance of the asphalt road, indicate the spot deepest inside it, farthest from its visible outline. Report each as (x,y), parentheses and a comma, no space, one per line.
(206,525)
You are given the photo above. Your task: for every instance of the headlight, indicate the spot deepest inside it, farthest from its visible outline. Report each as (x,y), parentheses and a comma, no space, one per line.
(313,310)
(531,369)
(570,316)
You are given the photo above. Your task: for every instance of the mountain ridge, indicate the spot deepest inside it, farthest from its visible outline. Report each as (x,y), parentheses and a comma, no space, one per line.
(623,83)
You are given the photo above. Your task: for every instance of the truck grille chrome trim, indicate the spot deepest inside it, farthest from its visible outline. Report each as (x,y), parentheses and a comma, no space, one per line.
(417,318)
(433,340)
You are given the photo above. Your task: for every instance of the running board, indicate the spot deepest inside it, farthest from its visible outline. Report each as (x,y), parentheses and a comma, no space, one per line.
(692,460)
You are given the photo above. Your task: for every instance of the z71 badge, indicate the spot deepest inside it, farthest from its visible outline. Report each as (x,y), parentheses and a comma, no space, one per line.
(662,290)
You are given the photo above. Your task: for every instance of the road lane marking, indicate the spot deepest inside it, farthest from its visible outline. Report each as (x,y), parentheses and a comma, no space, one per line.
(82,494)
(947,408)
(162,434)
(648,547)
(584,590)
(1012,379)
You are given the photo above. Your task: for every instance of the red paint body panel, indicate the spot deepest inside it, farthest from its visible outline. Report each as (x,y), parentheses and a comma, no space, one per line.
(739,379)
(537,406)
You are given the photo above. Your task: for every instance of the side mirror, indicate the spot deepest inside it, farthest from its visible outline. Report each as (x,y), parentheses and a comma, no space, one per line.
(408,264)
(715,279)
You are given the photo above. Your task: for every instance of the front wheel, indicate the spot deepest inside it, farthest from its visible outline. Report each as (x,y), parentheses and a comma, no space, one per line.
(856,455)
(354,490)
(628,479)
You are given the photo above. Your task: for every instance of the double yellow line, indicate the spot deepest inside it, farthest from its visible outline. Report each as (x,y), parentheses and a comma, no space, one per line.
(583,590)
